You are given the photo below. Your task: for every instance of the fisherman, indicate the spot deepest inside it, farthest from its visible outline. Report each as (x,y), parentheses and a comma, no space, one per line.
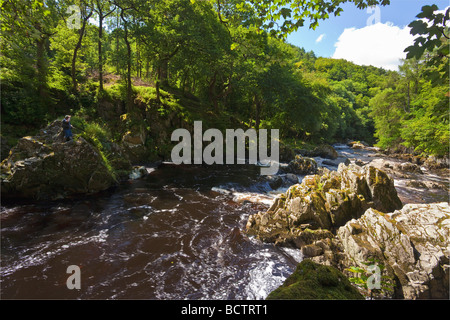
(67,128)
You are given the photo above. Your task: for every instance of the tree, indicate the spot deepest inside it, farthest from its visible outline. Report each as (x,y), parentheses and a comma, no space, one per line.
(86,12)
(433,41)
(410,70)
(103,9)
(387,112)
(283,17)
(26,29)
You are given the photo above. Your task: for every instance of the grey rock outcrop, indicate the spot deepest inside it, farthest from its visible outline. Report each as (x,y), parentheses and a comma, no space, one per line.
(413,243)
(324,201)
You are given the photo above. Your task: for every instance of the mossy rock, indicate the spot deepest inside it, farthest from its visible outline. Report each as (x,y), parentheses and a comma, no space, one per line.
(314,281)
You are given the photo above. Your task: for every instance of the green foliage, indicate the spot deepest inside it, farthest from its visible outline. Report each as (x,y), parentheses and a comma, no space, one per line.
(283,17)
(433,37)
(221,62)
(427,127)
(99,136)
(364,275)
(413,109)
(388,114)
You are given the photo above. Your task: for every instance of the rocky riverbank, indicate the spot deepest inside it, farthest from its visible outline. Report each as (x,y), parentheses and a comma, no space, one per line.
(45,166)
(354,217)
(350,208)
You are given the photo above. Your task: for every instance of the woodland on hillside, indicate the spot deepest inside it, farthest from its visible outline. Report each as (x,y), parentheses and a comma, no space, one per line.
(226,59)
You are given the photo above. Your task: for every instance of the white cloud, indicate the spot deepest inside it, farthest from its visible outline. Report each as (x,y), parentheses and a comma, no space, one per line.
(379,45)
(320,38)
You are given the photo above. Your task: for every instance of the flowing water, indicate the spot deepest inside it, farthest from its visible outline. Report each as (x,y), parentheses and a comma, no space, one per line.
(174,234)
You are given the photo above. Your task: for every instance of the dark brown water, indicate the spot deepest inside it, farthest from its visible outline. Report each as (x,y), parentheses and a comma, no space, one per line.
(172,235)
(168,236)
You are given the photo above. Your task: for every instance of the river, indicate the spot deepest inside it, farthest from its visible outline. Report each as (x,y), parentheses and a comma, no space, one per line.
(174,234)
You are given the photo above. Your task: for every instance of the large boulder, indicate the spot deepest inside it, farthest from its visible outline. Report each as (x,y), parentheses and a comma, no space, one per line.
(325,151)
(314,281)
(413,243)
(302,165)
(47,167)
(324,201)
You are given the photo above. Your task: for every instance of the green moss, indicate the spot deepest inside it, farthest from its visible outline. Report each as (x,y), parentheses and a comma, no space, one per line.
(314,281)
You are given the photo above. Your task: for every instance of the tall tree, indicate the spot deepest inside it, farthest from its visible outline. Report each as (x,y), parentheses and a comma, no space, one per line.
(26,28)
(103,9)
(86,10)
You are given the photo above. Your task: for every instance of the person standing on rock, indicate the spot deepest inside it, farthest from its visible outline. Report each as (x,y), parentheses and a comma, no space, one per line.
(67,128)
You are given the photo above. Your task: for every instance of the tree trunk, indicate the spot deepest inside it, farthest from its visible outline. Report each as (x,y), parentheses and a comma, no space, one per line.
(138,60)
(100,57)
(409,98)
(163,72)
(157,90)
(147,69)
(127,42)
(75,52)
(117,45)
(257,112)
(211,91)
(41,67)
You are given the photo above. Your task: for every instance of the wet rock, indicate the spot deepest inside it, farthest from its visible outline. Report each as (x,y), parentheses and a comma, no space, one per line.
(413,243)
(324,201)
(437,163)
(302,165)
(134,145)
(358,146)
(290,179)
(138,172)
(4,147)
(336,162)
(274,181)
(325,151)
(312,250)
(408,167)
(416,184)
(43,167)
(132,139)
(314,281)
(286,153)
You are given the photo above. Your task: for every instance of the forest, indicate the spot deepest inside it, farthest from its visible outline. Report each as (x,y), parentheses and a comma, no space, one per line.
(115,64)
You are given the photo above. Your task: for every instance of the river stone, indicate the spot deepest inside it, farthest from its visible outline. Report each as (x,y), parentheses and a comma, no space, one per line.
(325,151)
(274,181)
(44,167)
(302,165)
(324,201)
(408,167)
(414,243)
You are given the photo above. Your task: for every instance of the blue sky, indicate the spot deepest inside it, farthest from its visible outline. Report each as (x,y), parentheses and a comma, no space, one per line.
(351,37)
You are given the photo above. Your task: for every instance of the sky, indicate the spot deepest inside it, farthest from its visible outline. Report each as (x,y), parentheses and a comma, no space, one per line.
(374,37)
